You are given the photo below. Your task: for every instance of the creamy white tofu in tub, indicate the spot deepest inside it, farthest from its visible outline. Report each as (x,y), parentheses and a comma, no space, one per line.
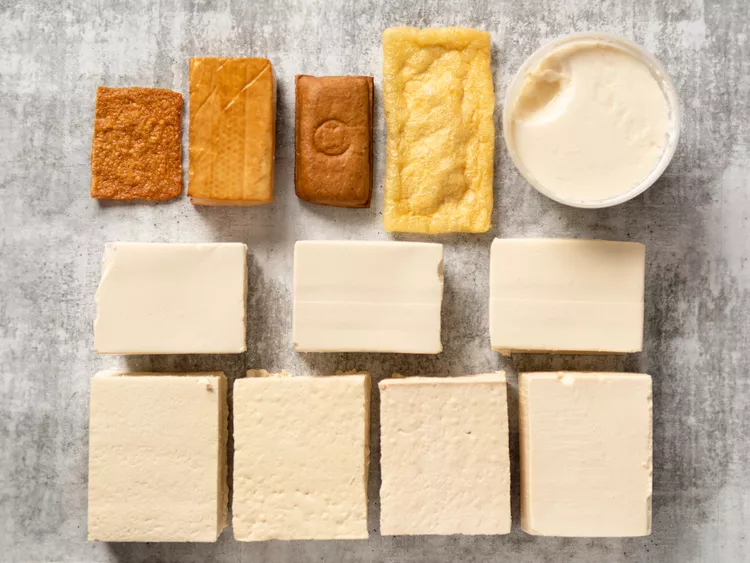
(591,120)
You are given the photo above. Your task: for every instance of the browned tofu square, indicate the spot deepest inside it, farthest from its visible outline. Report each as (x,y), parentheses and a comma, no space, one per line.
(333,140)
(136,152)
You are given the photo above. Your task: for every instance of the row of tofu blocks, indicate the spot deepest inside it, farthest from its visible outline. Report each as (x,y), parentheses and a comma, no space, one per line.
(355,296)
(301,455)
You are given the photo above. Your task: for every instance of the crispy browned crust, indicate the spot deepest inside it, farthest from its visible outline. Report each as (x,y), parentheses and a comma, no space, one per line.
(333,140)
(136,152)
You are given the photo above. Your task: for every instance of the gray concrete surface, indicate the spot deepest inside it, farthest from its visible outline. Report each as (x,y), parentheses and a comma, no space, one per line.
(54,54)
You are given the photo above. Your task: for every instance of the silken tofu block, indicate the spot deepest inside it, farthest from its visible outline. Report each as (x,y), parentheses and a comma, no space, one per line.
(367,296)
(585,454)
(439,100)
(232,131)
(157,457)
(566,295)
(171,299)
(301,456)
(444,455)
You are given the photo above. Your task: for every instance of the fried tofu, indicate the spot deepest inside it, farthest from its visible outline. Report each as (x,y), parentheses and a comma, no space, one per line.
(136,151)
(439,100)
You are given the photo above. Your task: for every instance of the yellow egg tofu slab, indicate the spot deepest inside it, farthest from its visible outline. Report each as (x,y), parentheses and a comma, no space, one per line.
(439,101)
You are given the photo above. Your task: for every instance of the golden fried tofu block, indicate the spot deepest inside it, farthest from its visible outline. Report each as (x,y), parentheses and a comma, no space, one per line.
(438,96)
(136,150)
(232,131)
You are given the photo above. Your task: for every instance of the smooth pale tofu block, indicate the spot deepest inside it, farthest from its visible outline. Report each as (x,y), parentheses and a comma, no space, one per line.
(585,454)
(444,455)
(439,102)
(301,457)
(232,131)
(171,299)
(566,295)
(367,296)
(157,457)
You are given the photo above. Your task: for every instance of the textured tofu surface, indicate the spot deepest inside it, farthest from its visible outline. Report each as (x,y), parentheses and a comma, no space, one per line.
(439,101)
(157,457)
(171,299)
(444,455)
(586,460)
(232,131)
(301,457)
(367,297)
(136,152)
(567,295)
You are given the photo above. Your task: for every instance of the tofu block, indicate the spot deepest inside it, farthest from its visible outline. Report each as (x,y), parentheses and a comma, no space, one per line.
(157,457)
(367,296)
(444,456)
(333,140)
(136,152)
(585,454)
(439,100)
(301,457)
(232,131)
(566,295)
(171,299)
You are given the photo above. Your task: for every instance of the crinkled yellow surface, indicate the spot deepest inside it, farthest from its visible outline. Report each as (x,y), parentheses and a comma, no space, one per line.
(438,97)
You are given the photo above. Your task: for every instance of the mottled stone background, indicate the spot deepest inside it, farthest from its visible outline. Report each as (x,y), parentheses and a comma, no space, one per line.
(694,221)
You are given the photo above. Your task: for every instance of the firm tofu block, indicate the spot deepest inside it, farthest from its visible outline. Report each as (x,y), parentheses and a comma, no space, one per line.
(171,299)
(157,457)
(367,296)
(301,457)
(438,97)
(232,131)
(585,454)
(566,295)
(333,140)
(136,152)
(444,456)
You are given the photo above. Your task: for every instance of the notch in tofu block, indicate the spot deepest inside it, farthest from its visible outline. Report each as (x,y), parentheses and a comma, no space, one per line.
(157,457)
(566,295)
(301,456)
(171,299)
(136,152)
(439,100)
(444,455)
(585,454)
(367,296)
(232,131)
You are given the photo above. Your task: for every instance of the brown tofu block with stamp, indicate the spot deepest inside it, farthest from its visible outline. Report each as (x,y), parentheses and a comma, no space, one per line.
(333,140)
(136,152)
(232,131)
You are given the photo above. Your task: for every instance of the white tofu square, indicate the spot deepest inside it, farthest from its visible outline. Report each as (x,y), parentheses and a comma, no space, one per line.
(566,295)
(301,456)
(171,299)
(367,296)
(585,454)
(157,457)
(444,455)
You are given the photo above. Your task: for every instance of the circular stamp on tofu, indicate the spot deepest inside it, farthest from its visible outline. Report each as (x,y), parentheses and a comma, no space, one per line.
(332,137)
